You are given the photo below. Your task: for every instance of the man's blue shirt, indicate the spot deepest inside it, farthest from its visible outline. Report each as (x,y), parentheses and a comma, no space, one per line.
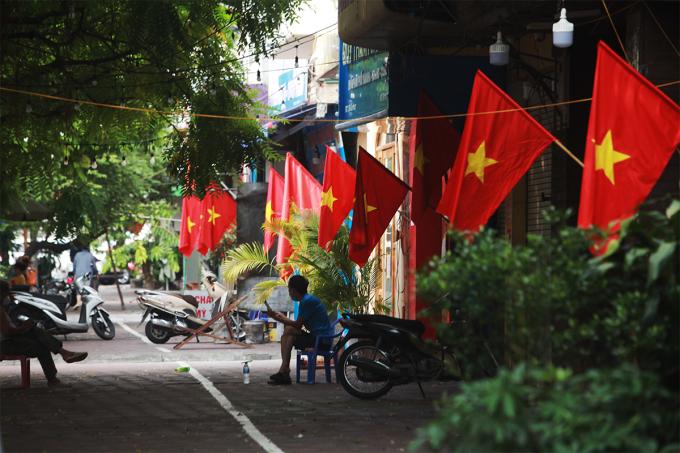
(313,315)
(84,262)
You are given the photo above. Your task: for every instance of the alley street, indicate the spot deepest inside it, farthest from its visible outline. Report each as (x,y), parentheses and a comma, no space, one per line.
(128,396)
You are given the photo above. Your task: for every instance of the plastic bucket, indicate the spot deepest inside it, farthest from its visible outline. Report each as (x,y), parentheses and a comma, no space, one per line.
(254,331)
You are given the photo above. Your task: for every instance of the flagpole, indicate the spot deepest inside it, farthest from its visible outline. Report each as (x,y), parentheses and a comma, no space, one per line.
(564,148)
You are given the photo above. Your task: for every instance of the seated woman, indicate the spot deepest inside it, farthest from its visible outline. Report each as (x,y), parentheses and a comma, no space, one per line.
(29,340)
(18,273)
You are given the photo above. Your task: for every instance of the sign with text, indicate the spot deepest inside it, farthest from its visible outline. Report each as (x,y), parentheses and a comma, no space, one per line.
(287,85)
(205,303)
(363,82)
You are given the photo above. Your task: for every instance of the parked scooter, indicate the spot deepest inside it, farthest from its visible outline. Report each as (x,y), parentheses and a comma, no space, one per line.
(172,314)
(49,310)
(388,351)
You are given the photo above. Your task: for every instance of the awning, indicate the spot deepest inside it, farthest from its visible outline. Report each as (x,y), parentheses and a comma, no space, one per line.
(292,128)
(363,120)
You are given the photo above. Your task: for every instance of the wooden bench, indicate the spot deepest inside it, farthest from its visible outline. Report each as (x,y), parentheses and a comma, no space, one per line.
(25,367)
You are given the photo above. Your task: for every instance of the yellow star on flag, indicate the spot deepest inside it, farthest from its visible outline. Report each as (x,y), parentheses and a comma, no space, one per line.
(327,198)
(606,156)
(478,161)
(214,215)
(420,160)
(368,208)
(190,224)
(268,212)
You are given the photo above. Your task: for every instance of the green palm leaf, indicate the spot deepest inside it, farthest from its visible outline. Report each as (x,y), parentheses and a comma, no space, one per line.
(245,258)
(264,289)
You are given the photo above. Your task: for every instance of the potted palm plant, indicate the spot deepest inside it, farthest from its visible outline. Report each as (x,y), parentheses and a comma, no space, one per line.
(333,277)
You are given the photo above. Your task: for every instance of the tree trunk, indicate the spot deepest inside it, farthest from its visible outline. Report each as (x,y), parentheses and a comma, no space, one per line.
(148,276)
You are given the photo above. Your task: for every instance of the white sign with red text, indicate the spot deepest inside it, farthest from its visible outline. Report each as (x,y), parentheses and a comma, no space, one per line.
(205,303)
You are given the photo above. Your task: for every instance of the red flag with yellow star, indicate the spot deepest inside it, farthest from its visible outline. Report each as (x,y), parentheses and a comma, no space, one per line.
(274,205)
(495,151)
(433,145)
(337,197)
(299,188)
(218,214)
(190,228)
(378,194)
(632,132)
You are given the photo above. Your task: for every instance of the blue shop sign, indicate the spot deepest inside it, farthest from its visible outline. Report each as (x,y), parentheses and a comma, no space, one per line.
(363,84)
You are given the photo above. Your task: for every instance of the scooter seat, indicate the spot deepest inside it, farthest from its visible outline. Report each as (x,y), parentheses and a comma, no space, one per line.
(59,301)
(414,326)
(190,299)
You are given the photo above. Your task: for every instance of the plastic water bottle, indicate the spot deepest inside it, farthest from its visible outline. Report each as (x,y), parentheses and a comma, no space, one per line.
(246,373)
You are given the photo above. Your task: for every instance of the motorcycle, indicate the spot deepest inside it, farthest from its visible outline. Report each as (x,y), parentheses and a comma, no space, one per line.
(173,314)
(49,310)
(385,352)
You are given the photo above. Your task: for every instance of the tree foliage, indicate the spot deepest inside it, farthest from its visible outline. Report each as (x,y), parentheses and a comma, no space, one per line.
(176,57)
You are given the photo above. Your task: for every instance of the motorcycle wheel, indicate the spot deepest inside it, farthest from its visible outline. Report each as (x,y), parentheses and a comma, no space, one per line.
(236,320)
(355,380)
(103,326)
(156,334)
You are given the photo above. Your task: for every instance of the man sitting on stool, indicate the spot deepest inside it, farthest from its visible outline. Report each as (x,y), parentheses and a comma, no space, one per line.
(311,315)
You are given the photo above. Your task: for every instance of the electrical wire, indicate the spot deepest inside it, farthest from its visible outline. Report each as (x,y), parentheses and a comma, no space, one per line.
(318,120)
(663,32)
(616,32)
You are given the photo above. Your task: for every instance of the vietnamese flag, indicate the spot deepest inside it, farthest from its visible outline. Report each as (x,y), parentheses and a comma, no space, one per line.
(378,194)
(274,205)
(299,188)
(495,151)
(337,197)
(432,148)
(219,213)
(632,132)
(189,230)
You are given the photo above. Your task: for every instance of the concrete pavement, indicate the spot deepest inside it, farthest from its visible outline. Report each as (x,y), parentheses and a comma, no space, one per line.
(128,397)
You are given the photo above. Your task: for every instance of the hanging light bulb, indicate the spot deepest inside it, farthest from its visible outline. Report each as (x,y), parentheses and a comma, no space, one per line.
(283,105)
(213,90)
(296,56)
(65,161)
(93,163)
(563,31)
(123,162)
(259,79)
(29,108)
(152,160)
(499,52)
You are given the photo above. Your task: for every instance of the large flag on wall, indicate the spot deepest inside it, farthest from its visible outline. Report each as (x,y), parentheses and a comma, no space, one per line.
(301,189)
(190,228)
(632,133)
(433,144)
(274,205)
(337,196)
(218,214)
(495,151)
(378,195)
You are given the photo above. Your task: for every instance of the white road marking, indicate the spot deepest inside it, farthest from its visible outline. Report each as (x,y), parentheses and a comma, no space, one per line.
(245,422)
(140,336)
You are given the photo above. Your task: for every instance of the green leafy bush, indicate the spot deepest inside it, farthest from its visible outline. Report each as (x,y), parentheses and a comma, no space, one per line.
(551,409)
(551,303)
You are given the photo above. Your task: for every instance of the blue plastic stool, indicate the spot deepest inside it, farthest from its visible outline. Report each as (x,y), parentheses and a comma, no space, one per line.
(326,351)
